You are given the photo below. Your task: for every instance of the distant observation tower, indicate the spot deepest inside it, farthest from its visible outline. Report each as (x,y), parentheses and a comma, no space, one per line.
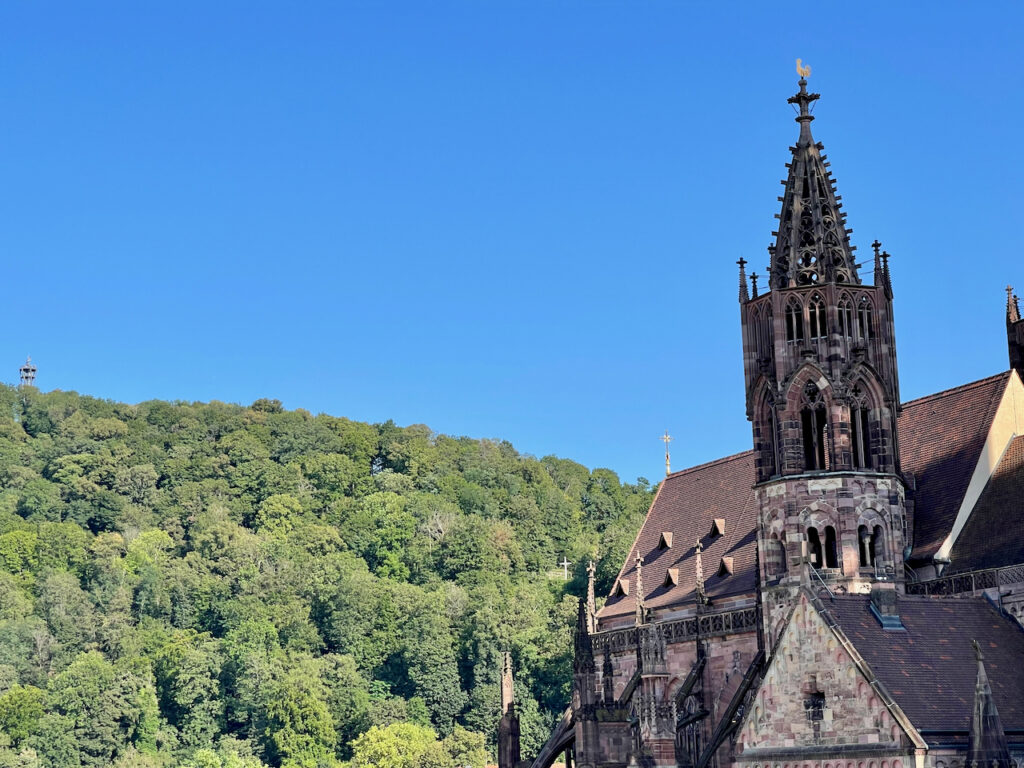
(28,373)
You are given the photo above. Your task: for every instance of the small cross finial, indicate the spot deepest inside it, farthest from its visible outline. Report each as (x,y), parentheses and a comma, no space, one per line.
(742,262)
(667,438)
(877,246)
(753,281)
(743,280)
(804,99)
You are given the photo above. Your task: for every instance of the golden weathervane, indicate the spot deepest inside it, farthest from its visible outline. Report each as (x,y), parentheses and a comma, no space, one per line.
(802,70)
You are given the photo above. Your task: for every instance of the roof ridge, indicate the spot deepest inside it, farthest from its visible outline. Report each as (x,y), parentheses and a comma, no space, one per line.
(711,463)
(958,389)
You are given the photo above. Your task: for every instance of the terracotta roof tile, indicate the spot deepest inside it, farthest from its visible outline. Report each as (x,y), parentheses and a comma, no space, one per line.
(994,534)
(686,504)
(941,437)
(930,669)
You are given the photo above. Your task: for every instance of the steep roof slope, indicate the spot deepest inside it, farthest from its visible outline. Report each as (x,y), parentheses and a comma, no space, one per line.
(994,533)
(686,506)
(941,437)
(930,668)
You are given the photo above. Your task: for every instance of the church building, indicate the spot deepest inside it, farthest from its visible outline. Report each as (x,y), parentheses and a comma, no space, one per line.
(849,593)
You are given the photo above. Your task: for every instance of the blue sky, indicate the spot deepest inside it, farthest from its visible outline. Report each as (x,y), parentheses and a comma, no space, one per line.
(515,220)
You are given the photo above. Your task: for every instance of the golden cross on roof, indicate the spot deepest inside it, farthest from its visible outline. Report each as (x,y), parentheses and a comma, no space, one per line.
(667,438)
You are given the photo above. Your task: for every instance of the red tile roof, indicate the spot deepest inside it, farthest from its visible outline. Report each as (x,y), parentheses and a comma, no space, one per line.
(686,505)
(930,668)
(941,437)
(994,534)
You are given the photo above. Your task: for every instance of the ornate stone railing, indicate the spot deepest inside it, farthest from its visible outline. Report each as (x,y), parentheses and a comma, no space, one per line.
(683,630)
(970,581)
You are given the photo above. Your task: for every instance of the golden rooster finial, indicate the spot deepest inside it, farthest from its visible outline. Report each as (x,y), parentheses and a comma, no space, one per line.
(802,70)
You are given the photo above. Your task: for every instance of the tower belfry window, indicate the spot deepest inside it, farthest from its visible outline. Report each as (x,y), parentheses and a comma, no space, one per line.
(859,425)
(864,311)
(816,312)
(794,320)
(814,424)
(846,317)
(814,551)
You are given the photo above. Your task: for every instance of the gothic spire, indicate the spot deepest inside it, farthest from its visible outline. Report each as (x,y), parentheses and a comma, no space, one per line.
(591,600)
(743,280)
(584,646)
(507,690)
(812,243)
(986,747)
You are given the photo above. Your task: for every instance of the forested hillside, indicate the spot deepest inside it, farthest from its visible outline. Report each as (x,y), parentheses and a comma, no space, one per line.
(214,586)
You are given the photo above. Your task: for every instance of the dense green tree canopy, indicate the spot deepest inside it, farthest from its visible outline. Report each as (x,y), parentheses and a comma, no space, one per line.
(214,586)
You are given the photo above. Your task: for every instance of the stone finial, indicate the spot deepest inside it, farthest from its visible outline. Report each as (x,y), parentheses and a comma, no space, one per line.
(507,690)
(987,747)
(699,566)
(591,599)
(584,646)
(638,597)
(886,280)
(753,285)
(743,280)
(1012,306)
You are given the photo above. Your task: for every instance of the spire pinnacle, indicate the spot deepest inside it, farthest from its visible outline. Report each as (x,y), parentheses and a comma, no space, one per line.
(701,597)
(886,282)
(804,100)
(666,439)
(1012,308)
(507,690)
(753,283)
(987,746)
(591,600)
(812,242)
(743,280)
(639,597)
(584,660)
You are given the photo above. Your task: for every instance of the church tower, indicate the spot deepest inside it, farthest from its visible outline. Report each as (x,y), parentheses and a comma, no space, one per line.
(822,394)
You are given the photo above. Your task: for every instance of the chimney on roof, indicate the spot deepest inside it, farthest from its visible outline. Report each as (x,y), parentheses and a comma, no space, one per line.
(884,605)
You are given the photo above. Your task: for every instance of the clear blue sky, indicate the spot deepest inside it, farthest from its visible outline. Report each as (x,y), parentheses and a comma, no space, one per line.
(514,220)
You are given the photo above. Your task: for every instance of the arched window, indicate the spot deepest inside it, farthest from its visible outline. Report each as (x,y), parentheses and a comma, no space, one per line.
(859,425)
(877,545)
(818,324)
(814,547)
(814,423)
(864,311)
(831,548)
(794,320)
(864,545)
(768,431)
(846,317)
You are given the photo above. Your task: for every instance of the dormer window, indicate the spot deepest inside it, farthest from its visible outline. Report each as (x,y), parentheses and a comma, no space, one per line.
(671,578)
(665,542)
(725,567)
(717,527)
(621,588)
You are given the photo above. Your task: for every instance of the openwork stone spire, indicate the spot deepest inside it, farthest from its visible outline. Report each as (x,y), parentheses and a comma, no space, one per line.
(987,746)
(812,243)
(584,645)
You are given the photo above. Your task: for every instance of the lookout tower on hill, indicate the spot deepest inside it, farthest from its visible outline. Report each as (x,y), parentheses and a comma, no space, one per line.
(28,373)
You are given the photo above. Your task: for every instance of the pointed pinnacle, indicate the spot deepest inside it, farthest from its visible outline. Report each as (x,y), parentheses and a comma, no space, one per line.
(743,280)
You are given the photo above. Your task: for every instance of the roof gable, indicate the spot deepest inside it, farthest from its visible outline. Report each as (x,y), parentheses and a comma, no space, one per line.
(930,668)
(941,437)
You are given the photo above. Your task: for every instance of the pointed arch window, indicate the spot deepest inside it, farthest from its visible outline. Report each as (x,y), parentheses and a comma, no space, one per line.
(846,321)
(817,323)
(864,318)
(814,423)
(860,410)
(768,429)
(794,320)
